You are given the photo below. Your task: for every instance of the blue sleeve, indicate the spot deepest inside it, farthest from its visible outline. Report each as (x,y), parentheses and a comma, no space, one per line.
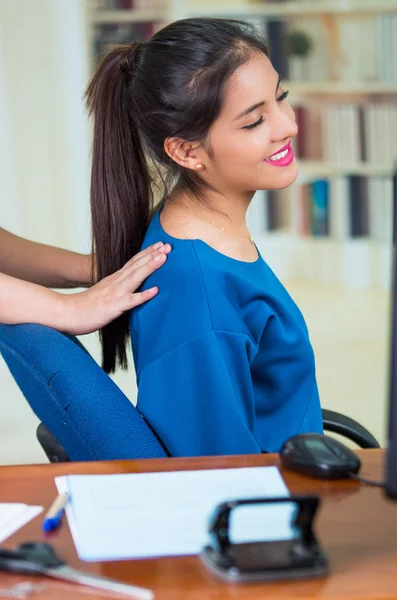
(198,397)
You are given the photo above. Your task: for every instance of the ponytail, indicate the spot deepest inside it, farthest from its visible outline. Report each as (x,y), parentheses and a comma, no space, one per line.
(120,183)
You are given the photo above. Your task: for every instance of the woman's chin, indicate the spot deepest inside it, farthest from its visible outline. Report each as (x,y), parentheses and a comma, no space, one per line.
(278,178)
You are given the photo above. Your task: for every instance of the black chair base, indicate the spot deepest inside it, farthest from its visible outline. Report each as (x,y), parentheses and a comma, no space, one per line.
(52,448)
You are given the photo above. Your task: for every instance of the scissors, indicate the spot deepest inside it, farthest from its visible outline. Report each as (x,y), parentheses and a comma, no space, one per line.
(39,558)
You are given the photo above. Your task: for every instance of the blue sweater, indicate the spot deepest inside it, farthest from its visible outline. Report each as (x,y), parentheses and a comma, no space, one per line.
(222,354)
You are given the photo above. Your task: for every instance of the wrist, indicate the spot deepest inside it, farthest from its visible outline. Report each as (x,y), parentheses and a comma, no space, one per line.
(82,271)
(88,270)
(63,315)
(71,314)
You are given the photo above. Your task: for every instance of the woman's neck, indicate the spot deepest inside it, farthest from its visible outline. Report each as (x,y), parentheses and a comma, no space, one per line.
(228,211)
(216,220)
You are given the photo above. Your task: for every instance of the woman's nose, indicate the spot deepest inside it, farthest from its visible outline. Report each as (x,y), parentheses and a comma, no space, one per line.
(284,125)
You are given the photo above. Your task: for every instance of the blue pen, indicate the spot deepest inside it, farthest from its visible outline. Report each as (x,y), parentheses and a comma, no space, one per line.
(54,516)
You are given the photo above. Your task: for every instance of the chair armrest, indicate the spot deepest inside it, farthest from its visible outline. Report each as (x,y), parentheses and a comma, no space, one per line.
(349,428)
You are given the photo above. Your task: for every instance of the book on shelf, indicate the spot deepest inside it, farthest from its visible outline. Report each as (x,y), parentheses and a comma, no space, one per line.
(116,4)
(132,4)
(276,32)
(123,33)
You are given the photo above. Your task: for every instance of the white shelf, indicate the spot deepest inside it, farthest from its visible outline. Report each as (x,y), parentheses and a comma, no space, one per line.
(340,87)
(326,169)
(245,9)
(300,8)
(105,17)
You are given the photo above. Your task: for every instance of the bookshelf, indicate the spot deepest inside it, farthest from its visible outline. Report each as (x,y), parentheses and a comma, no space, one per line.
(297,8)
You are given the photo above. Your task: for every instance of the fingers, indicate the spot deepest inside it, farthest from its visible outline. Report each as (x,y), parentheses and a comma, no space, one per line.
(165,249)
(158,256)
(138,275)
(154,248)
(141,297)
(143,257)
(150,249)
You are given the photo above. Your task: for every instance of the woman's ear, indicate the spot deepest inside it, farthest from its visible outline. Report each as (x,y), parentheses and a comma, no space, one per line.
(189,155)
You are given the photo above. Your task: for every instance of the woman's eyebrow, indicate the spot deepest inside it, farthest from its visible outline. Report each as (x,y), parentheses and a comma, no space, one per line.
(247,111)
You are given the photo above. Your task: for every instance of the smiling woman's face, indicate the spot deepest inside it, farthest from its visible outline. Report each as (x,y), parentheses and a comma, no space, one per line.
(256,122)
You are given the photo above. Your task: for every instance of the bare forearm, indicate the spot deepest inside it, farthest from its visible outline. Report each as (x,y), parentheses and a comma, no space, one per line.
(82,312)
(24,302)
(42,264)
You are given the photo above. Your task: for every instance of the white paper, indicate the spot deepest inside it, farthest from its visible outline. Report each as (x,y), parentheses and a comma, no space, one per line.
(114,517)
(13,516)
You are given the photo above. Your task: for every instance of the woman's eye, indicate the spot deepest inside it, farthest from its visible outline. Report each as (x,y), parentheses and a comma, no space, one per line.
(258,122)
(283,96)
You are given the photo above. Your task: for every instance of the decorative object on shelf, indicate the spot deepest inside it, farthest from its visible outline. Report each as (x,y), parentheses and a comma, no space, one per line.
(298,48)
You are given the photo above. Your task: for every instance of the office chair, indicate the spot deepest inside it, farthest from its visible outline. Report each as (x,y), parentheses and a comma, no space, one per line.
(64,385)
(68,392)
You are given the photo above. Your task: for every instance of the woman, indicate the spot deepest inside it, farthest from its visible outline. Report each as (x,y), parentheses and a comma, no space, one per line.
(28,268)
(225,364)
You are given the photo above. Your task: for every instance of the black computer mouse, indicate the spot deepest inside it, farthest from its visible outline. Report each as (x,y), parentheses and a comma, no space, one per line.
(320,456)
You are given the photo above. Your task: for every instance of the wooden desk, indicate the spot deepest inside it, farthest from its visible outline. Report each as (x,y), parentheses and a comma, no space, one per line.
(356,525)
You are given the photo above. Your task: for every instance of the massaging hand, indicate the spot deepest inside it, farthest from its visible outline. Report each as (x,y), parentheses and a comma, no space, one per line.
(106,300)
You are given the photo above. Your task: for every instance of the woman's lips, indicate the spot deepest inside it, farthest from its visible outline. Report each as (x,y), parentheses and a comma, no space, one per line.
(282,157)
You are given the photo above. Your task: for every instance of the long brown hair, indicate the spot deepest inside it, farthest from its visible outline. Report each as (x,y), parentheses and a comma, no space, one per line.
(140,95)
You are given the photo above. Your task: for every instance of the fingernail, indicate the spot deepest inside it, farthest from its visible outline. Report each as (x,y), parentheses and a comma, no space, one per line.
(152,290)
(159,257)
(166,248)
(158,245)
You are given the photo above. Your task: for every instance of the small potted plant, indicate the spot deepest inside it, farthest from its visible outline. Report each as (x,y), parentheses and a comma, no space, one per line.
(298,48)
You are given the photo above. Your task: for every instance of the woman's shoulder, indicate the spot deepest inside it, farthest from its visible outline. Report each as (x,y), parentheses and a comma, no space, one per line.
(187,262)
(186,276)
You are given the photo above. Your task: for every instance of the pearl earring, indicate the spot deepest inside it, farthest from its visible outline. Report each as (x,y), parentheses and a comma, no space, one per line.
(199,166)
